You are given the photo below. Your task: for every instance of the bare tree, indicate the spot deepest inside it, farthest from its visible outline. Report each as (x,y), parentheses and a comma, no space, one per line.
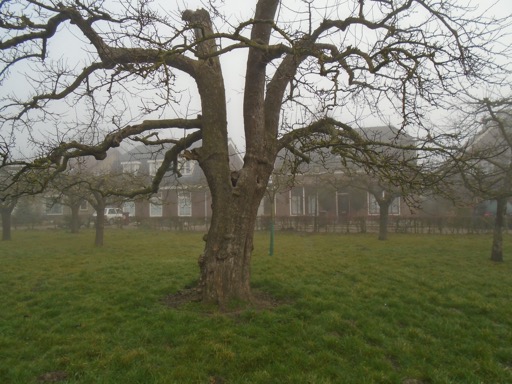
(6,208)
(316,61)
(485,164)
(11,189)
(72,191)
(103,182)
(394,167)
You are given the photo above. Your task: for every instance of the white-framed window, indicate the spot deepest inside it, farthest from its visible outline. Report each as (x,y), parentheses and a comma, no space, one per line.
(261,207)
(131,167)
(312,205)
(184,203)
(186,167)
(155,206)
(153,166)
(53,206)
(129,207)
(84,205)
(297,201)
(373,206)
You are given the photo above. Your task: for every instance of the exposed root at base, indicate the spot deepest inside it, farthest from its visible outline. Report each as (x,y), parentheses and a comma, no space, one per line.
(185,296)
(259,301)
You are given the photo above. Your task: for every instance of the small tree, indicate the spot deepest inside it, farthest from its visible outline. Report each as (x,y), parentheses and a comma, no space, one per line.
(28,211)
(72,192)
(7,205)
(103,182)
(486,163)
(10,190)
(6,208)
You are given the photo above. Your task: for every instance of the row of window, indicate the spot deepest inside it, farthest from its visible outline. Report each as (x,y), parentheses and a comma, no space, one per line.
(300,204)
(185,167)
(156,205)
(54,207)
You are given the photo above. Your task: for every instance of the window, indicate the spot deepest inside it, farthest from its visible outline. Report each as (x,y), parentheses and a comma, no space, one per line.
(129,207)
(373,206)
(394,208)
(312,205)
(261,207)
(297,201)
(84,205)
(155,206)
(53,206)
(131,167)
(184,204)
(186,167)
(153,166)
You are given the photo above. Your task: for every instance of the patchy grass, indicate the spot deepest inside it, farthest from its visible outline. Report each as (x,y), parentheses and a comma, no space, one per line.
(429,309)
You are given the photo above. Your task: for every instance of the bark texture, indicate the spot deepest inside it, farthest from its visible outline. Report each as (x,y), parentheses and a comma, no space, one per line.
(100,224)
(75,218)
(499,226)
(6,222)
(225,262)
(383,219)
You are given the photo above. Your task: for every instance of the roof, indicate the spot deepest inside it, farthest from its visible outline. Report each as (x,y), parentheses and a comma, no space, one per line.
(145,154)
(330,159)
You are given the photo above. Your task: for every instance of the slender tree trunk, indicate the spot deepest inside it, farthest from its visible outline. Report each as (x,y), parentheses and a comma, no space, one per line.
(383,219)
(499,225)
(75,218)
(6,223)
(100,224)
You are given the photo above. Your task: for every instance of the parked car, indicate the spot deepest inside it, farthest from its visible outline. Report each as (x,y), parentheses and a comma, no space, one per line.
(112,215)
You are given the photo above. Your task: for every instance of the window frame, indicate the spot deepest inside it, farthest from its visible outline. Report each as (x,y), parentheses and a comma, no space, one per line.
(156,207)
(50,209)
(374,209)
(187,206)
(131,167)
(297,201)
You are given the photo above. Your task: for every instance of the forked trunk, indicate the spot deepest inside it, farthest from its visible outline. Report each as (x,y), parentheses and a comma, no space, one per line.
(225,262)
(499,225)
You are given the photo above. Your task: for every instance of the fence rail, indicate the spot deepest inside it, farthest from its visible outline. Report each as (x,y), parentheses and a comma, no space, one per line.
(396,224)
(353,224)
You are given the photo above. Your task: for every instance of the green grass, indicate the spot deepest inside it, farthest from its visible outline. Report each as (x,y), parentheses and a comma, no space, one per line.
(429,309)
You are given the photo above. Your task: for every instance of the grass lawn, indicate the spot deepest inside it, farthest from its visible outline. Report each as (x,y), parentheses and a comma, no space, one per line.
(412,310)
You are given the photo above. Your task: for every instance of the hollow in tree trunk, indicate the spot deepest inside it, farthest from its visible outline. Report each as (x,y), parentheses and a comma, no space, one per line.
(226,260)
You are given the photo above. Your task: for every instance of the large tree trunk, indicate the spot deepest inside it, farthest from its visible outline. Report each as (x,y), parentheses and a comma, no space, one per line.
(383,219)
(6,223)
(225,263)
(499,225)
